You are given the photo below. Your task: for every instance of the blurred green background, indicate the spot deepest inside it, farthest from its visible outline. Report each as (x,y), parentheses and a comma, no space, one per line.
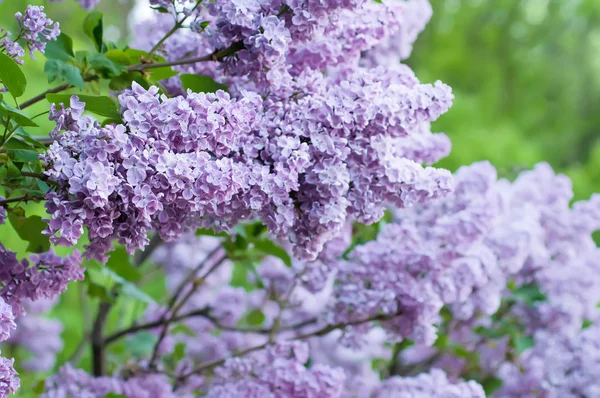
(525,74)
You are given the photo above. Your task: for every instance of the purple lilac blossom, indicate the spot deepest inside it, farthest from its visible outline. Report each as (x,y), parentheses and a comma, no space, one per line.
(77,383)
(434,384)
(210,161)
(421,262)
(277,371)
(556,366)
(45,275)
(37,28)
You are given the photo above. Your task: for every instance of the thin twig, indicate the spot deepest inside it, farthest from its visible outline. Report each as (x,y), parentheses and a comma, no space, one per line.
(174,310)
(215,56)
(24,198)
(320,332)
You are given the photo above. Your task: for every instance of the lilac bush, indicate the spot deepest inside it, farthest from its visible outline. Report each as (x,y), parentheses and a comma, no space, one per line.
(259,214)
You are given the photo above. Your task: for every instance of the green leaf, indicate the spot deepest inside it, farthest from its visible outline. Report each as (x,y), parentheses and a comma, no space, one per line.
(98,291)
(210,232)
(30,229)
(60,49)
(255,317)
(489,332)
(100,105)
(17,115)
(529,294)
(521,343)
(22,155)
(12,76)
(268,247)
(71,74)
(104,66)
(200,83)
(30,140)
(40,387)
(118,56)
(128,288)
(142,343)
(119,262)
(182,329)
(114,395)
(93,28)
(158,74)
(178,352)
(123,81)
(491,384)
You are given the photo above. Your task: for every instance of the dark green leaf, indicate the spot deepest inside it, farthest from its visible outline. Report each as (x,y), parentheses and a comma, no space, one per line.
(178,352)
(491,384)
(17,115)
(71,74)
(200,84)
(93,28)
(210,232)
(30,140)
(22,155)
(489,332)
(268,247)
(61,48)
(119,262)
(529,294)
(115,395)
(104,66)
(123,81)
(40,387)
(98,291)
(30,229)
(127,288)
(100,105)
(12,76)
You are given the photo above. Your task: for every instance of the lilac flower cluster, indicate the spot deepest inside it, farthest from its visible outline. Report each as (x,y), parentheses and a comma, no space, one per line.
(45,275)
(278,371)
(557,366)
(9,382)
(304,166)
(428,258)
(36,29)
(38,335)
(70,382)
(428,385)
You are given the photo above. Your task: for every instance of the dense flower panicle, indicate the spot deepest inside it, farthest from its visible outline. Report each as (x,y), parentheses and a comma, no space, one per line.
(38,335)
(420,262)
(9,382)
(45,275)
(71,382)
(208,160)
(434,384)
(412,16)
(556,366)
(277,371)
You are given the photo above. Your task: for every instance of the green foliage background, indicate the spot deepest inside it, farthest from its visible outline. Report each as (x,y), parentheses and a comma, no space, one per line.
(525,74)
